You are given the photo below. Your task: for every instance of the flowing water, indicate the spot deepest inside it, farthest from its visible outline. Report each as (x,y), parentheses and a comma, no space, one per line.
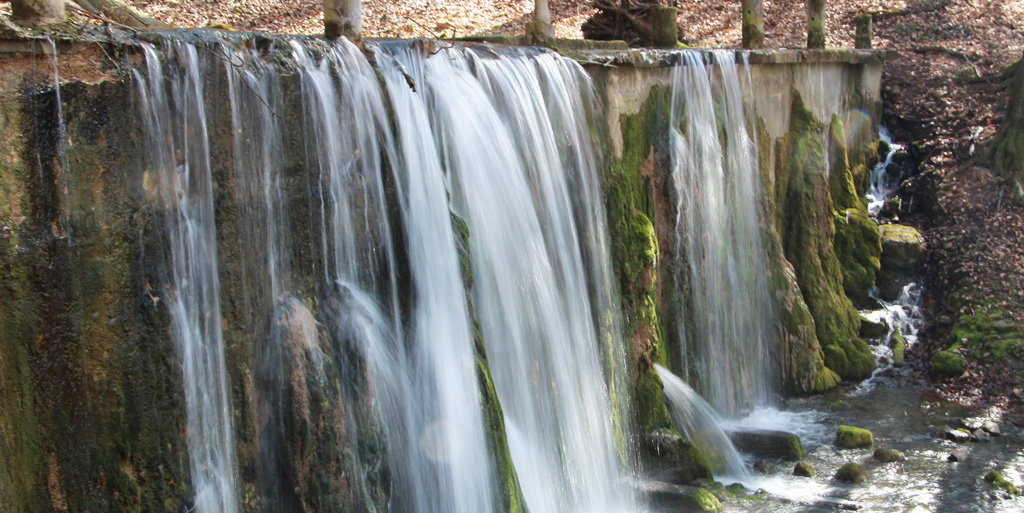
(492,121)
(883,183)
(179,156)
(728,325)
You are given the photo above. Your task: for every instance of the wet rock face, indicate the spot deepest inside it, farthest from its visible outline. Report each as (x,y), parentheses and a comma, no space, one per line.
(673,458)
(901,248)
(769,444)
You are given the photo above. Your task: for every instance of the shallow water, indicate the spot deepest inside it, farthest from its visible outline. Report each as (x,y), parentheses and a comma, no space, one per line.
(902,416)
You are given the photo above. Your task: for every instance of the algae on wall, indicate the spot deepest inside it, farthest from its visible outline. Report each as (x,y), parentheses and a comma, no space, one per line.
(87,395)
(806,217)
(631,207)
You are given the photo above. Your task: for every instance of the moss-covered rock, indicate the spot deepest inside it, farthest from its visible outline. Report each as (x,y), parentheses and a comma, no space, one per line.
(803,469)
(673,458)
(987,334)
(703,500)
(851,473)
(886,455)
(946,364)
(899,348)
(806,216)
(849,437)
(872,329)
(997,480)
(769,444)
(901,248)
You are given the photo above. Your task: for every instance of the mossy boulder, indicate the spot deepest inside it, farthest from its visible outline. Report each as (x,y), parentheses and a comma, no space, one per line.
(987,336)
(899,347)
(872,329)
(851,473)
(849,437)
(803,469)
(703,500)
(946,364)
(673,458)
(769,444)
(902,248)
(997,480)
(886,455)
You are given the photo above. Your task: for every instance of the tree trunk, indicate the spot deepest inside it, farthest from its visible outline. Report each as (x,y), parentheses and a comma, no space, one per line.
(36,11)
(815,23)
(120,12)
(862,31)
(343,18)
(539,31)
(753,24)
(664,26)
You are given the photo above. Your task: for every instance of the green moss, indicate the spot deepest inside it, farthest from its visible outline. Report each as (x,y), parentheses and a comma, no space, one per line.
(885,455)
(803,368)
(851,473)
(803,469)
(997,480)
(988,335)
(899,347)
(807,217)
(629,201)
(849,437)
(946,364)
(651,411)
(702,500)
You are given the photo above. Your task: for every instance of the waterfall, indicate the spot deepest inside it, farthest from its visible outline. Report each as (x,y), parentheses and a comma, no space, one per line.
(179,154)
(509,142)
(446,419)
(729,320)
(699,423)
(883,184)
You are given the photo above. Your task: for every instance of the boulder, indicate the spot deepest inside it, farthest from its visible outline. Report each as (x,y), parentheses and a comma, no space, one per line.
(901,248)
(849,437)
(764,467)
(899,347)
(991,428)
(802,469)
(946,364)
(769,444)
(851,473)
(872,329)
(997,480)
(888,455)
(956,435)
(957,455)
(674,458)
(684,498)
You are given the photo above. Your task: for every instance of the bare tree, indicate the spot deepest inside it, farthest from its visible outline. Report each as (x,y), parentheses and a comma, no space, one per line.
(540,31)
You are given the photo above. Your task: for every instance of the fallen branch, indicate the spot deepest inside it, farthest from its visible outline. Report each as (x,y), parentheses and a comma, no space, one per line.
(116,12)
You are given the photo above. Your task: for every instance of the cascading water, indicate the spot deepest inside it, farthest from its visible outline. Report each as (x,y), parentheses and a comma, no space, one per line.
(178,148)
(728,313)
(883,183)
(510,176)
(700,423)
(448,426)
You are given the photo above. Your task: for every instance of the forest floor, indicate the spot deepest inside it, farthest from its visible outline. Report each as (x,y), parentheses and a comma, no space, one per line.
(943,98)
